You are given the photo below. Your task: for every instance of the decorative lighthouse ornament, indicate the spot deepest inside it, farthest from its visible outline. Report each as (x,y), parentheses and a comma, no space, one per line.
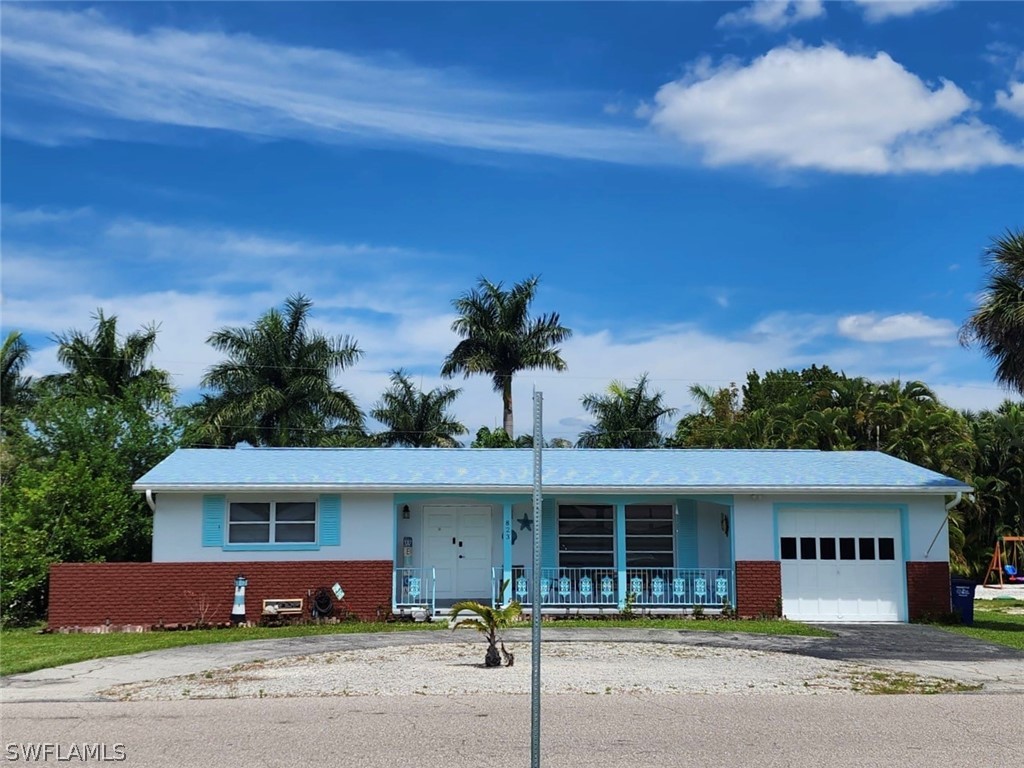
(238,610)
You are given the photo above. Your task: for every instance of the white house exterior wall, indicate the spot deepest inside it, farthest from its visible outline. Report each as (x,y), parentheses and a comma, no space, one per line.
(367,530)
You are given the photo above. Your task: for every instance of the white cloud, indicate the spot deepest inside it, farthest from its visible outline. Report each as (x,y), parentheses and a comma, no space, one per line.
(873,327)
(882,10)
(821,108)
(399,312)
(773,15)
(1012,99)
(107,76)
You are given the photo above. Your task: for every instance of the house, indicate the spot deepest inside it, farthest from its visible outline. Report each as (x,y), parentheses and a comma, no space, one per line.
(825,536)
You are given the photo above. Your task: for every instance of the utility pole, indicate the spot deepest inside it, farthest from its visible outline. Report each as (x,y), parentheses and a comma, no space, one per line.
(538,442)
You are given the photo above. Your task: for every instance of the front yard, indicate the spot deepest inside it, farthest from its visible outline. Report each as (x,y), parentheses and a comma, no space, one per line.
(997,621)
(26,650)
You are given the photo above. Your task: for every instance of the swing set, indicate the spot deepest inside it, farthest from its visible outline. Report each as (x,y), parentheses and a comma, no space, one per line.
(1007,561)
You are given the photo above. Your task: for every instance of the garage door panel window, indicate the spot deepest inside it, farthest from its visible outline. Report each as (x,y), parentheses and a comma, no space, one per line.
(827,549)
(886,549)
(849,548)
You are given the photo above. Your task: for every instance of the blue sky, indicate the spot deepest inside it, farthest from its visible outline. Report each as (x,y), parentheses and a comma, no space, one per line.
(704,188)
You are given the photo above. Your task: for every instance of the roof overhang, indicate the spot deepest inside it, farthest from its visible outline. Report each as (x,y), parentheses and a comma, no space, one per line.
(564,490)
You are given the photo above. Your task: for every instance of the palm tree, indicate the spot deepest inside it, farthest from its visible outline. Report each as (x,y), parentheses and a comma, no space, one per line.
(276,387)
(101,364)
(627,417)
(488,621)
(499,338)
(415,418)
(15,389)
(998,323)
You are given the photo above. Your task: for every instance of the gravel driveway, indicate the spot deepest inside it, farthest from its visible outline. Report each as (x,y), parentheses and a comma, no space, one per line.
(598,668)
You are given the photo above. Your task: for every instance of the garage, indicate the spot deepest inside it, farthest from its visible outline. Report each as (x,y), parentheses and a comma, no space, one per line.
(841,564)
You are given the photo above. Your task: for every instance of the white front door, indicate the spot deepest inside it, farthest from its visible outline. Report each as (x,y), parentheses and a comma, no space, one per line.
(457,544)
(841,564)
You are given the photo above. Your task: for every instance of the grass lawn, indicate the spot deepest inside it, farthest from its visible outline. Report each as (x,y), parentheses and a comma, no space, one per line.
(25,650)
(997,621)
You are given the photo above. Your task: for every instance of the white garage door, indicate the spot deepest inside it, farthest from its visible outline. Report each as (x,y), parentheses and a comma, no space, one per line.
(841,565)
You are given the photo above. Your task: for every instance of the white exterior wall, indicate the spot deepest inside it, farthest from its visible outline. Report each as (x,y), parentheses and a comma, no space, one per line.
(367,530)
(754,522)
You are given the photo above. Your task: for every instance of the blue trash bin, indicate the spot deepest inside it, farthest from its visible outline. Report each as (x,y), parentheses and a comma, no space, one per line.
(962,599)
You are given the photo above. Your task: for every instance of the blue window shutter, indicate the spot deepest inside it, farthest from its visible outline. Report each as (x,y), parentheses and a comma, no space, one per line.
(330,520)
(549,534)
(686,534)
(213,521)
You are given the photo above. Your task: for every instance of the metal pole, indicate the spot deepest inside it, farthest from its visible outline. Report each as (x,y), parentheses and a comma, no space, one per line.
(538,442)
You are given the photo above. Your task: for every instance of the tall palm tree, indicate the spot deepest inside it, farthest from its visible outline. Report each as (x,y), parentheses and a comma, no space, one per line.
(15,389)
(100,363)
(415,418)
(997,325)
(276,387)
(499,338)
(627,417)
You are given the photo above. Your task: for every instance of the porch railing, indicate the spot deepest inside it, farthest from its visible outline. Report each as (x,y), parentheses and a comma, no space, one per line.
(598,587)
(415,588)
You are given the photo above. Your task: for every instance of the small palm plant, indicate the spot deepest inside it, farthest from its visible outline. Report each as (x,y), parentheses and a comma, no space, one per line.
(487,620)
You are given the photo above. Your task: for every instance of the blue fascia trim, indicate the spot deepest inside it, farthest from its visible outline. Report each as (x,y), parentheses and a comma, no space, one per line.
(488,498)
(725,500)
(612,499)
(270,547)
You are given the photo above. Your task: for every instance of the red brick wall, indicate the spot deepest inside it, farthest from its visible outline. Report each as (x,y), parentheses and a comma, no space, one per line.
(927,589)
(758,587)
(87,594)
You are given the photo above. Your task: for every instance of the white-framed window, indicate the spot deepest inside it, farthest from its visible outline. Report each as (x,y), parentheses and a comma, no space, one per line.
(649,541)
(271,522)
(586,536)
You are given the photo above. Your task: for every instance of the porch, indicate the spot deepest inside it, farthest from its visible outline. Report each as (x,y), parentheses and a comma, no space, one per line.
(583,590)
(600,554)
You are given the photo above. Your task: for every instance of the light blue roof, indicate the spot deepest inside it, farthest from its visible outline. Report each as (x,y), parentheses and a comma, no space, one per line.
(565,470)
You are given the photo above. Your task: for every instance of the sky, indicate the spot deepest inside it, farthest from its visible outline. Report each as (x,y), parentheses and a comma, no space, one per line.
(703,189)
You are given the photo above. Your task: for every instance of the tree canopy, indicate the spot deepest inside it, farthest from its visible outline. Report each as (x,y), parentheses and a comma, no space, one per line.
(416,418)
(276,387)
(500,338)
(997,325)
(626,417)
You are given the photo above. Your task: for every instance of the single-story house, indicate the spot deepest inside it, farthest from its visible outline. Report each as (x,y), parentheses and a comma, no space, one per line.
(821,536)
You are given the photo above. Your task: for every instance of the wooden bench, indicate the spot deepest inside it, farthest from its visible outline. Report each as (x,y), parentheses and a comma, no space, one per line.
(283,607)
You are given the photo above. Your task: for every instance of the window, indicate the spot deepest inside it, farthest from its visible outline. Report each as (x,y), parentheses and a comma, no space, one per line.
(586,536)
(867,549)
(788,547)
(649,537)
(827,548)
(886,549)
(272,522)
(847,549)
(808,549)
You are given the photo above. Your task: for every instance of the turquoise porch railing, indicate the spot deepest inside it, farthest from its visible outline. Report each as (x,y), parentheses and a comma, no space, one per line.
(599,587)
(415,588)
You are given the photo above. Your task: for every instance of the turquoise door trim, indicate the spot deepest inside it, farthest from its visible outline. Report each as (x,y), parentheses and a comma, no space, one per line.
(506,548)
(548,533)
(620,551)
(685,520)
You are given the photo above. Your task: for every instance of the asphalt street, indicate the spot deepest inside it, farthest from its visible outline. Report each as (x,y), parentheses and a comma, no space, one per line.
(592,731)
